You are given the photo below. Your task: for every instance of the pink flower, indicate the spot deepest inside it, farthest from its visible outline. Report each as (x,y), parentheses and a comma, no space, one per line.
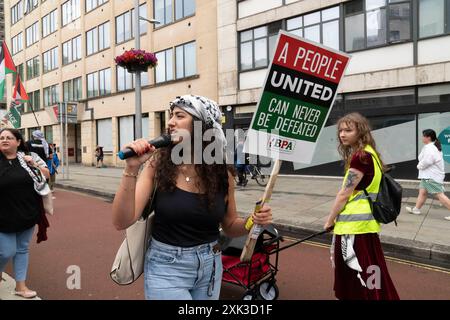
(135,57)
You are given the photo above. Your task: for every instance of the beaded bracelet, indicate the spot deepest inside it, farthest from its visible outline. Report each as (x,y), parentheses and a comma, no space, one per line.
(127,174)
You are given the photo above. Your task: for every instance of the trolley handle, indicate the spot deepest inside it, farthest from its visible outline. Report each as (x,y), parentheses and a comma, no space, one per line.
(304,239)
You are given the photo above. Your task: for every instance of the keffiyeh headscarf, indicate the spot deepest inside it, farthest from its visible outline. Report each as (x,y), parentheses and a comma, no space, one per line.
(40,136)
(204,109)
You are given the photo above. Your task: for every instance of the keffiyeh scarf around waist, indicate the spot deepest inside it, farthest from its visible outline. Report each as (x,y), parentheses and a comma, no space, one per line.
(348,254)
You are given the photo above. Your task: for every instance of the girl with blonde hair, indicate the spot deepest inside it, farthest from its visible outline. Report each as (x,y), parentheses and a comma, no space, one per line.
(360,266)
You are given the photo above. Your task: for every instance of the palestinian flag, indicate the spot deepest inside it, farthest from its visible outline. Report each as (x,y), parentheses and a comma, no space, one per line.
(19,94)
(6,66)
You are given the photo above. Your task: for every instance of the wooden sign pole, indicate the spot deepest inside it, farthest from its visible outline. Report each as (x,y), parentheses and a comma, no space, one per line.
(254,233)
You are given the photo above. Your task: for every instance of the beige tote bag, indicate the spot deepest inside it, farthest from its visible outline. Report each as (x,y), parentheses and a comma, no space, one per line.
(128,264)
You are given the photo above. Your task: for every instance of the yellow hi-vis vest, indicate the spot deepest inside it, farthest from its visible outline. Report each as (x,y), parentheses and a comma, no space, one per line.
(356,217)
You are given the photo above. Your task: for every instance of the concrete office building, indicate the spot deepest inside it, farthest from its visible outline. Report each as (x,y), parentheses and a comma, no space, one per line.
(65,51)
(398,76)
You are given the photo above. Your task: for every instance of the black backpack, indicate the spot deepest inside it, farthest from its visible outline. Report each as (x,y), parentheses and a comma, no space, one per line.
(387,205)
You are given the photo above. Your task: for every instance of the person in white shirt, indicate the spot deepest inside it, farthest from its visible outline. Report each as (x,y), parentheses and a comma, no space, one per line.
(431,172)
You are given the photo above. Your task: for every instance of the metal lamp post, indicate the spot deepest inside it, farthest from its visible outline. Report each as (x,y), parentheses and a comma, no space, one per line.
(137,45)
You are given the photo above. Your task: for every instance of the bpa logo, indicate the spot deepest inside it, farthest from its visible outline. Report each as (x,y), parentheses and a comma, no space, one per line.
(281,144)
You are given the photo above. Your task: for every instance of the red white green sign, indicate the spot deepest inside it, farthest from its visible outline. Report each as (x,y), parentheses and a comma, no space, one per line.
(297,97)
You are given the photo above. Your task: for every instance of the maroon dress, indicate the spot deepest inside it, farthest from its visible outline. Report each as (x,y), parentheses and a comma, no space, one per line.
(367,247)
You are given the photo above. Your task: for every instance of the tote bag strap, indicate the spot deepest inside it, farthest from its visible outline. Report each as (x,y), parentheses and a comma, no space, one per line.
(150,207)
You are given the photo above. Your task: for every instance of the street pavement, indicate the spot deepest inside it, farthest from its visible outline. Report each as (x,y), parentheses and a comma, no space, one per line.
(300,206)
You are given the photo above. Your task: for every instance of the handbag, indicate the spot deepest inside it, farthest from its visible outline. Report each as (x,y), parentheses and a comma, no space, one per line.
(47,201)
(128,264)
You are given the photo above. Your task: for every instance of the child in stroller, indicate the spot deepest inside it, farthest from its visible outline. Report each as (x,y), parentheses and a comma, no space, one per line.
(257,276)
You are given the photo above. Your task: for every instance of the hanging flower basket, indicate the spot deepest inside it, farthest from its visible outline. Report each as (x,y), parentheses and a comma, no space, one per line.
(136,60)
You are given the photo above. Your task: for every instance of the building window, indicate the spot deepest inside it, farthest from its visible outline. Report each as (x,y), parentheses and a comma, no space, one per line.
(378,100)
(92,84)
(49,23)
(164,10)
(373,23)
(72,90)
(126,131)
(17,43)
(104,77)
(50,60)
(104,134)
(92,4)
(97,38)
(19,69)
(184,8)
(434,17)
(124,79)
(257,44)
(103,36)
(71,50)
(320,26)
(48,133)
(30,5)
(437,93)
(32,68)
(51,95)
(34,102)
(99,83)
(70,11)
(185,57)
(164,69)
(32,34)
(16,12)
(124,24)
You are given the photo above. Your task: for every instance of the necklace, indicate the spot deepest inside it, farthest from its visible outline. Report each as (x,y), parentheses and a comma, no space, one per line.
(186,178)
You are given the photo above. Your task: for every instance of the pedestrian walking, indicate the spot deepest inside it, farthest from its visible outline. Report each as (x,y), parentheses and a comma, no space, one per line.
(240,163)
(359,265)
(191,202)
(52,164)
(21,205)
(99,156)
(431,172)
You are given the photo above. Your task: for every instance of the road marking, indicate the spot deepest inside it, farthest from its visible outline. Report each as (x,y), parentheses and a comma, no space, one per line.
(396,260)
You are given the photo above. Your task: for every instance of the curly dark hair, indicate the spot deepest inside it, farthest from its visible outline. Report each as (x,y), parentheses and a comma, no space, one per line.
(213,178)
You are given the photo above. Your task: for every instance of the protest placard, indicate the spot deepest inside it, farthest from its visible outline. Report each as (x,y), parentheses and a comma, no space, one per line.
(298,93)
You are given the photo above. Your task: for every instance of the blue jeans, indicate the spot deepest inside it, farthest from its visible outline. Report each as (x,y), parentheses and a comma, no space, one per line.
(177,273)
(15,245)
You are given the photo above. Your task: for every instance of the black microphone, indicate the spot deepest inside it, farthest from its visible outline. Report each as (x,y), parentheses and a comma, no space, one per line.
(160,142)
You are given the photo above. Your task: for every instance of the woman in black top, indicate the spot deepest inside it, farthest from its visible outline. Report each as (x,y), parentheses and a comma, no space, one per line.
(195,196)
(21,206)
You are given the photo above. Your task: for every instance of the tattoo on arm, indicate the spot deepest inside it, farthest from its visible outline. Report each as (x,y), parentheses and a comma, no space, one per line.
(352,179)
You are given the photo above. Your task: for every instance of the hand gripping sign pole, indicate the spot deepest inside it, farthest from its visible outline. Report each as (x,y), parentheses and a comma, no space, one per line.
(256,229)
(299,90)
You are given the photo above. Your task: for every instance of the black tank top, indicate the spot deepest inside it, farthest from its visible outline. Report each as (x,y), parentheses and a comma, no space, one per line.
(183,219)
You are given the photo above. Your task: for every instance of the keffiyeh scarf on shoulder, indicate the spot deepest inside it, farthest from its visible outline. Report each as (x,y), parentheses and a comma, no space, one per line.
(42,188)
(40,185)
